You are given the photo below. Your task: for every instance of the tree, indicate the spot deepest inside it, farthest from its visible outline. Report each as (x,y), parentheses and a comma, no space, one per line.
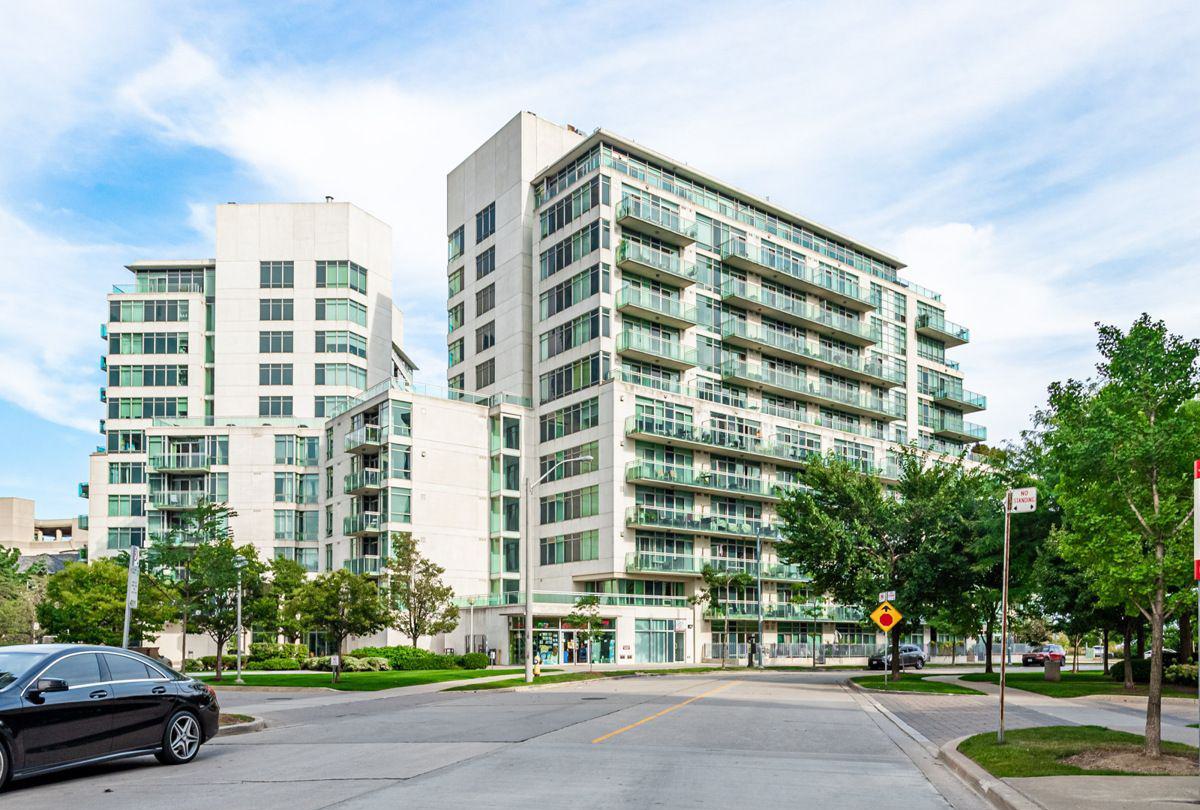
(718,587)
(341,604)
(856,539)
(585,619)
(1121,447)
(86,604)
(287,576)
(20,593)
(172,553)
(420,600)
(214,577)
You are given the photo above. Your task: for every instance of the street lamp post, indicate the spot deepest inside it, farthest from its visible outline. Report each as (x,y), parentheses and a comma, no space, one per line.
(239,562)
(471,620)
(529,560)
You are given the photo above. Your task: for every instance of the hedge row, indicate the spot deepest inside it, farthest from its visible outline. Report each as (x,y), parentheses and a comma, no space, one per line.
(269,656)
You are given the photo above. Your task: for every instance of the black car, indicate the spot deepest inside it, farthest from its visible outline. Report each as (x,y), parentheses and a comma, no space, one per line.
(63,705)
(910,656)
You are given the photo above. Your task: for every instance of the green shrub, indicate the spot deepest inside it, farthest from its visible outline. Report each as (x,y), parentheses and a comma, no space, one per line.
(1141,668)
(378,664)
(409,658)
(350,663)
(318,663)
(475,660)
(1181,674)
(273,664)
(262,650)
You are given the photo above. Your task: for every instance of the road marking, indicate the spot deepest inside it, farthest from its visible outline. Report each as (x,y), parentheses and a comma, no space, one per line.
(667,710)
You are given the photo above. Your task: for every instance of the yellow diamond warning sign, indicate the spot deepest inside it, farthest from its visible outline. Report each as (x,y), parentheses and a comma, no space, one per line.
(886,616)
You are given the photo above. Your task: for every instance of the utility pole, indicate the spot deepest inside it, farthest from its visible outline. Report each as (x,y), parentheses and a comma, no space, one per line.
(131,592)
(239,562)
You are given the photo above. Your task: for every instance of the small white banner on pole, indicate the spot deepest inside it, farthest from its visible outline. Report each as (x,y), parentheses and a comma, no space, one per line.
(1022,500)
(887,596)
(131,586)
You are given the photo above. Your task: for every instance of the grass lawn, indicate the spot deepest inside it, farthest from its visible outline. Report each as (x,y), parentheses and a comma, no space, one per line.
(568,677)
(1038,751)
(233,719)
(913,683)
(1074,684)
(362,681)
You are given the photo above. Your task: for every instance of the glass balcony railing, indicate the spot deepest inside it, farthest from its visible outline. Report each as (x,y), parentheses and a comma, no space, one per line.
(656,349)
(678,520)
(815,611)
(738,252)
(798,385)
(569,598)
(960,429)
(938,327)
(663,265)
(362,523)
(363,479)
(747,334)
(662,308)
(961,398)
(166,499)
(167,462)
(683,475)
(656,562)
(365,437)
(790,309)
(364,565)
(660,222)
(723,441)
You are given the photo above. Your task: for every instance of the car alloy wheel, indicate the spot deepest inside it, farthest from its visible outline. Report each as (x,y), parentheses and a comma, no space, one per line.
(184,737)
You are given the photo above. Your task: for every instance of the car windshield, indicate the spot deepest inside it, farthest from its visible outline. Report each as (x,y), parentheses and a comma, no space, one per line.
(13,665)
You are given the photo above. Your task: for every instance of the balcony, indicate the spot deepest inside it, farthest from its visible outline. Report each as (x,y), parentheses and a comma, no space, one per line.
(786,611)
(371,566)
(655,517)
(656,562)
(568,598)
(756,338)
(180,462)
(958,429)
(960,399)
(361,524)
(168,500)
(800,313)
(104,331)
(938,328)
(654,220)
(783,269)
(368,480)
(698,437)
(796,385)
(656,350)
(659,265)
(365,439)
(684,477)
(652,306)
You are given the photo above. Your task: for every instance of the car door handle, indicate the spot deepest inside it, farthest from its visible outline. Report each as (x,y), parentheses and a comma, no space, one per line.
(99,693)
(159,690)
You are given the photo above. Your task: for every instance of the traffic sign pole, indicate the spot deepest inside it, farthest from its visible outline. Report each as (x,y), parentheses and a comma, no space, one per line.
(1196,561)
(131,593)
(1004,612)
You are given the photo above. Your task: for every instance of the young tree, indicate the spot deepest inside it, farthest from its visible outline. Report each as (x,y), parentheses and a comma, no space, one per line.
(20,593)
(286,577)
(585,618)
(214,577)
(341,604)
(86,604)
(172,553)
(420,600)
(712,596)
(1121,447)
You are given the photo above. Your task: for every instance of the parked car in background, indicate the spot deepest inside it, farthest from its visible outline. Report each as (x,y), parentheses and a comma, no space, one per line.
(910,656)
(1098,651)
(65,705)
(1039,654)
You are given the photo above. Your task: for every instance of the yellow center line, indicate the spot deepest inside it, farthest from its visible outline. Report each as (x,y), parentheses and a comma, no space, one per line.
(667,710)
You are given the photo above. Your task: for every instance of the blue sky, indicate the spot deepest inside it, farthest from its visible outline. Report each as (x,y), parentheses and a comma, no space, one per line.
(1039,164)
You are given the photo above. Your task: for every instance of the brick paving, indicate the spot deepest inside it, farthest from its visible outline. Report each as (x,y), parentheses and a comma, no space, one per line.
(942,718)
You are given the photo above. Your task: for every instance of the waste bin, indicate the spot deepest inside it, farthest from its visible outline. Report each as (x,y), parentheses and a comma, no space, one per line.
(1053,670)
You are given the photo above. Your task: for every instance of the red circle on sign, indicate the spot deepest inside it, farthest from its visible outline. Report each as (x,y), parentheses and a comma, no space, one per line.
(885,620)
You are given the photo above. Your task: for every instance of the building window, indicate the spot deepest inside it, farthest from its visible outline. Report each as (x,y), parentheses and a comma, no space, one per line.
(485,337)
(330,406)
(577,503)
(485,263)
(274,406)
(148,343)
(276,309)
(572,419)
(583,373)
(485,223)
(567,548)
(455,316)
(575,289)
(275,342)
(485,299)
(275,374)
(455,283)
(341,274)
(456,383)
(341,374)
(339,342)
(455,244)
(485,374)
(276,275)
(126,536)
(454,353)
(126,505)
(341,309)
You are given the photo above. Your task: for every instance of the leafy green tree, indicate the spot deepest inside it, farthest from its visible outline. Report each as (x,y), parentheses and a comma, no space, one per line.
(85,603)
(1121,448)
(422,604)
(341,604)
(171,555)
(720,586)
(20,593)
(286,577)
(585,619)
(214,576)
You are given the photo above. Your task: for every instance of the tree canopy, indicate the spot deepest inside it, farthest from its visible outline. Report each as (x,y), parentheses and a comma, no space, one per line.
(85,603)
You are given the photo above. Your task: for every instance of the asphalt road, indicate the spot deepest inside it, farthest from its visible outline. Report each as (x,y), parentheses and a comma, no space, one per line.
(725,740)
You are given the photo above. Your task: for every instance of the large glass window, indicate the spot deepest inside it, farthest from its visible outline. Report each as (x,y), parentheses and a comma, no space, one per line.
(276,274)
(276,309)
(334,274)
(485,222)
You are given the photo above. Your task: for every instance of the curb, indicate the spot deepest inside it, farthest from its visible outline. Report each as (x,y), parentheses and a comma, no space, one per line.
(303,690)
(250,726)
(1002,795)
(870,691)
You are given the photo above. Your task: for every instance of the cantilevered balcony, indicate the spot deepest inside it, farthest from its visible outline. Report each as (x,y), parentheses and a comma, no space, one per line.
(654,220)
(656,562)
(657,350)
(660,265)
(179,462)
(365,439)
(652,306)
(371,566)
(776,611)
(801,313)
(771,341)
(938,328)
(655,517)
(699,437)
(363,523)
(960,399)
(783,269)
(366,480)
(959,429)
(795,385)
(686,477)
(168,500)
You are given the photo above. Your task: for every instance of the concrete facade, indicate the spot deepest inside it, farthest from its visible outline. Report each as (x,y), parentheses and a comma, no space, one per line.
(21,529)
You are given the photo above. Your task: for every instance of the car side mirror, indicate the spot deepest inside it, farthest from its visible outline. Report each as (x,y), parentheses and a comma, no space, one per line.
(49,685)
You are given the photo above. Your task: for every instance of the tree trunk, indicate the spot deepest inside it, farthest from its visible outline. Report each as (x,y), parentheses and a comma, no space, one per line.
(1185,637)
(895,641)
(1154,699)
(953,649)
(725,640)
(990,630)
(220,660)
(1104,649)
(1128,652)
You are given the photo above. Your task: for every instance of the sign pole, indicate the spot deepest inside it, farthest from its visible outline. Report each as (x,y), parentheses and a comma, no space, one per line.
(1196,560)
(131,593)
(1004,612)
